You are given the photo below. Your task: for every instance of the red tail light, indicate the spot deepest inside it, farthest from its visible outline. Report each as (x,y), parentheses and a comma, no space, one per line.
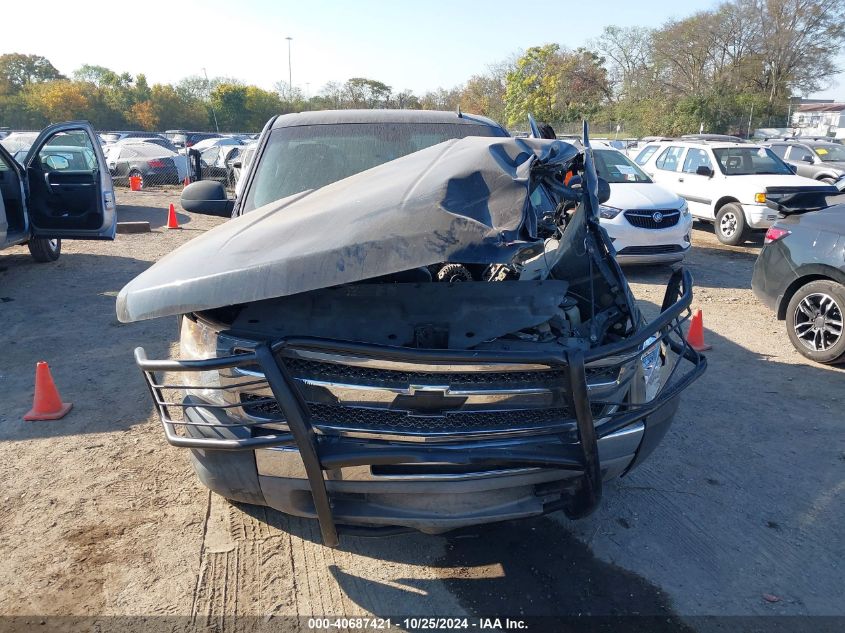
(155,163)
(774,234)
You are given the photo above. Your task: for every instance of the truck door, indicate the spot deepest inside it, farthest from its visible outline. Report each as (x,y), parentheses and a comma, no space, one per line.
(70,189)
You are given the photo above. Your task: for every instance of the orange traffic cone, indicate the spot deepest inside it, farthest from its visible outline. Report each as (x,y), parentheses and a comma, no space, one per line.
(695,336)
(47,404)
(172,222)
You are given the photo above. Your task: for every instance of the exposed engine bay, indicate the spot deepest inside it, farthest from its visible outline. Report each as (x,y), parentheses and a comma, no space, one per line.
(443,340)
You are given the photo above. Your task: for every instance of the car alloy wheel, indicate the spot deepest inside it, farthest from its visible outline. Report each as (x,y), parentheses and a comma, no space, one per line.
(727,225)
(817,322)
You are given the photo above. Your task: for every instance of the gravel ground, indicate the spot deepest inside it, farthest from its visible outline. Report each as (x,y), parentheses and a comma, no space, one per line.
(738,512)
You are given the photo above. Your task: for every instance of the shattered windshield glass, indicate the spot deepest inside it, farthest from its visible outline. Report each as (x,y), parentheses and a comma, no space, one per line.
(307,157)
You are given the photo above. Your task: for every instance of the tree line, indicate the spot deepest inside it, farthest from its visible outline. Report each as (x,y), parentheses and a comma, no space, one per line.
(714,69)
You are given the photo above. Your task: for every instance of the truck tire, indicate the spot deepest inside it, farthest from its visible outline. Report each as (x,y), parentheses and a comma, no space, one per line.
(731,228)
(44,250)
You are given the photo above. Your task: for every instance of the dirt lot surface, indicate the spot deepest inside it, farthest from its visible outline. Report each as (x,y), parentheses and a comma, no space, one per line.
(738,512)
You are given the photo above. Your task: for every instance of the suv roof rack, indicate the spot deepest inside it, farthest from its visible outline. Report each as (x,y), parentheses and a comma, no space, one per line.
(801,139)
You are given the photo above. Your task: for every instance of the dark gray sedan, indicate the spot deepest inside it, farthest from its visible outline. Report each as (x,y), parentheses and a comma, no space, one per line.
(800,274)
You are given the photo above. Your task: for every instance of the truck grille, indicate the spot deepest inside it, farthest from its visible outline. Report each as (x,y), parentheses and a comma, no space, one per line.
(347,397)
(303,368)
(658,219)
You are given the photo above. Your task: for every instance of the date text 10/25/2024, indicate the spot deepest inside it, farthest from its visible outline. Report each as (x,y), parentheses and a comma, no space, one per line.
(415,624)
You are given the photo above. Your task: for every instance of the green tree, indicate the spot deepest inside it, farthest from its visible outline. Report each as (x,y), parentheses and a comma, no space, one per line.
(260,105)
(229,103)
(176,111)
(532,87)
(18,70)
(555,85)
(360,92)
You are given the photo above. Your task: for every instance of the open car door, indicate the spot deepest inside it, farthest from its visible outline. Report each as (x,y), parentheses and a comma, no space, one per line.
(70,189)
(10,185)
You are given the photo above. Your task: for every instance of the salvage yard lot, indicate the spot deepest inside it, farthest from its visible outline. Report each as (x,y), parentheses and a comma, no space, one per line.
(738,512)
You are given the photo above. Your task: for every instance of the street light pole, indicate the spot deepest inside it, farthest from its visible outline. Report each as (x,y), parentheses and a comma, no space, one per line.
(290,74)
(213,113)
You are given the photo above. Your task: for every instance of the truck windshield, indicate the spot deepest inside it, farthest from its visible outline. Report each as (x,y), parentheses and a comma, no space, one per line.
(307,157)
(747,161)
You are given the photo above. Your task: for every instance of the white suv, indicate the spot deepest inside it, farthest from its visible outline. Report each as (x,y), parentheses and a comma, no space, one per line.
(723,183)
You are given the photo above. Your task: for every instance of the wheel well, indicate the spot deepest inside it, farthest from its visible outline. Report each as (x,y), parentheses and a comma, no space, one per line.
(823,176)
(722,202)
(794,287)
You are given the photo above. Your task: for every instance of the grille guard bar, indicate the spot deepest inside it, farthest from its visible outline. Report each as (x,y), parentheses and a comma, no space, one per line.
(320,452)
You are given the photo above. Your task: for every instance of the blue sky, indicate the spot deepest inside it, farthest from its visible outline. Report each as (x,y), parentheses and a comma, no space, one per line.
(414,45)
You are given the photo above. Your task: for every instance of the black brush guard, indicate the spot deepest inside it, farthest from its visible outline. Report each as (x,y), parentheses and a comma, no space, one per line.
(323,452)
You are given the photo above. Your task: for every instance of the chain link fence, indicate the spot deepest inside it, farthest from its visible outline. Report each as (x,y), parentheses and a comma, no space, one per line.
(156,161)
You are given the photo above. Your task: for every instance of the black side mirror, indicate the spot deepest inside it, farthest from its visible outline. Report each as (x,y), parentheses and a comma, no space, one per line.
(807,158)
(603,190)
(704,170)
(207,197)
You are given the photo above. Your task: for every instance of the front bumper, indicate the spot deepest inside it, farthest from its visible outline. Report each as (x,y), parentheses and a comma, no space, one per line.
(559,466)
(759,216)
(637,245)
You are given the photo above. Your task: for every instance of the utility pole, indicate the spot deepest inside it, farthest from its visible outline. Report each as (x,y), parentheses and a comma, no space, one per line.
(214,114)
(290,73)
(751,114)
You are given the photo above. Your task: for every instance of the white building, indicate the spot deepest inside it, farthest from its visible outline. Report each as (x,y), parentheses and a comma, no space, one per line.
(819,119)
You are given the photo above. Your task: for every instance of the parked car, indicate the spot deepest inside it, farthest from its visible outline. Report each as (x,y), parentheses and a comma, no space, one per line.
(156,140)
(207,143)
(337,369)
(217,163)
(821,160)
(62,190)
(240,165)
(183,138)
(17,141)
(115,136)
(727,184)
(153,164)
(647,223)
(800,275)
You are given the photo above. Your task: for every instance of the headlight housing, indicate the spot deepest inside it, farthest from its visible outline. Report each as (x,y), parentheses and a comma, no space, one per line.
(653,360)
(608,213)
(684,209)
(196,342)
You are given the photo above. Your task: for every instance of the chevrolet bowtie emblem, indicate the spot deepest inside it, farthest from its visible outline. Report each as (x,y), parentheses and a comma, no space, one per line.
(427,400)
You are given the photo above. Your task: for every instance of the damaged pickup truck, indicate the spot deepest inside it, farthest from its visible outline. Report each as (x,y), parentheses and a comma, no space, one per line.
(441,340)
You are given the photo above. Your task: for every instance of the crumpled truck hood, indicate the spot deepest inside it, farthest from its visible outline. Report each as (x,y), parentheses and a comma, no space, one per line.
(463,201)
